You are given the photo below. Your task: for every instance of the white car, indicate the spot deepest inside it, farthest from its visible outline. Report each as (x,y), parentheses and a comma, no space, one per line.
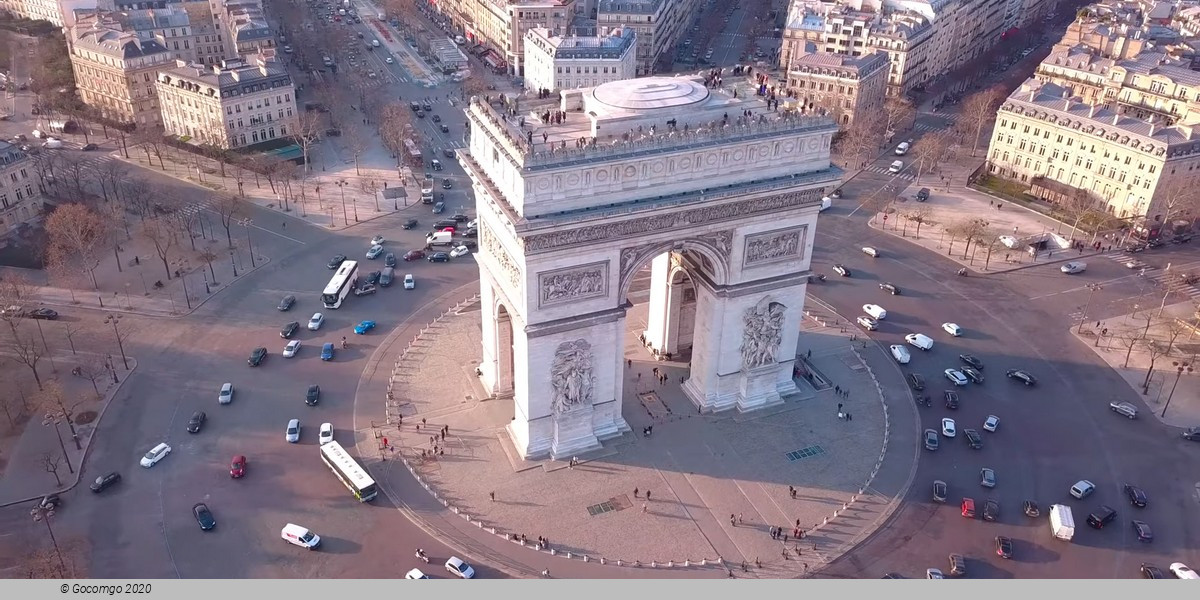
(919,340)
(875,311)
(226,395)
(415,574)
(389,60)
(291,348)
(326,434)
(1072,268)
(293,431)
(374,252)
(868,323)
(409,282)
(155,454)
(990,423)
(901,354)
(377,240)
(952,329)
(948,428)
(1010,241)
(934,574)
(473,223)
(459,567)
(460,251)
(1183,571)
(956,376)
(316,321)
(896,167)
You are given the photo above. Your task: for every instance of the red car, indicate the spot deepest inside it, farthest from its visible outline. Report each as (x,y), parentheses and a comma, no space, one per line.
(237,468)
(412,255)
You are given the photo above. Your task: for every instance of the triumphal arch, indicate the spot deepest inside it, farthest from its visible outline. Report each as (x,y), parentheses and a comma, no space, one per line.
(717,192)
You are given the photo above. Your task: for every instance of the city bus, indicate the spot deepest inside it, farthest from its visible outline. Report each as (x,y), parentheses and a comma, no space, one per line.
(341,284)
(347,470)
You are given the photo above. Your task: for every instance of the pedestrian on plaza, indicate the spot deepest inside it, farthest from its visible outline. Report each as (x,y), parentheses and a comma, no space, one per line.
(639,376)
(647,494)
(841,415)
(629,363)
(797,522)
(793,493)
(809,353)
(785,538)
(839,410)
(656,371)
(635,492)
(492,495)
(385,442)
(645,507)
(838,389)
(739,518)
(772,532)
(422,420)
(732,521)
(791,488)
(848,417)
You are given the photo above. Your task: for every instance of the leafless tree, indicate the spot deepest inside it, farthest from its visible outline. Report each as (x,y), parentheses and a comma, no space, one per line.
(74,173)
(973,230)
(918,216)
(51,462)
(306,134)
(46,164)
(285,173)
(1130,341)
(1155,349)
(208,257)
(26,350)
(1179,197)
(393,128)
(862,138)
(228,207)
(94,368)
(1077,205)
(372,187)
(71,329)
(357,143)
(52,399)
(897,111)
(929,151)
(151,139)
(990,240)
(76,235)
(10,405)
(159,231)
(138,196)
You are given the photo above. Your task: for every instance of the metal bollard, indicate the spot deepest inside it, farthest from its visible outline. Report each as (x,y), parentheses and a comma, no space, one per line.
(687,563)
(569,555)
(653,564)
(586,559)
(603,561)
(670,563)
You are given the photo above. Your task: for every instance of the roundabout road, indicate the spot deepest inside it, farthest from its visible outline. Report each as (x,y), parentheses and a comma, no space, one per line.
(1050,435)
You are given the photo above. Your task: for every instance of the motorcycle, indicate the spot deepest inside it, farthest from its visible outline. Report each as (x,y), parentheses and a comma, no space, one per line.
(924,399)
(816,278)
(421,555)
(962,272)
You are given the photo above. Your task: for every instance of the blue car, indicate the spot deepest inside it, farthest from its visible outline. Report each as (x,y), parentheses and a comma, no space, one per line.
(327,351)
(364,327)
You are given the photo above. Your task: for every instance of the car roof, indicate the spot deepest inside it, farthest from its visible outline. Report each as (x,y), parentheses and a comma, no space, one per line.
(293,422)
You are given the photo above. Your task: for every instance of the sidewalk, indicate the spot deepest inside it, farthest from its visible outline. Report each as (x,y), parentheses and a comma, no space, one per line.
(1122,343)
(22,473)
(952,205)
(699,468)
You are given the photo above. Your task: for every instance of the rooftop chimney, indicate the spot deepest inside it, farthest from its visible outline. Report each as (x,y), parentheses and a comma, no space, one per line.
(1092,112)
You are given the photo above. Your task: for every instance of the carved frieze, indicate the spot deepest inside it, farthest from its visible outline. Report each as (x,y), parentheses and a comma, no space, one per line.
(696,216)
(508,267)
(774,246)
(761,335)
(573,284)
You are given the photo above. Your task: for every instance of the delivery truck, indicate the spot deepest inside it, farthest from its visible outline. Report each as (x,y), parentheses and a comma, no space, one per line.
(1062,523)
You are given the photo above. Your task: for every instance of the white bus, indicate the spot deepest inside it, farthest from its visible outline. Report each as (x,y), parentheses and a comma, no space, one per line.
(346,468)
(340,285)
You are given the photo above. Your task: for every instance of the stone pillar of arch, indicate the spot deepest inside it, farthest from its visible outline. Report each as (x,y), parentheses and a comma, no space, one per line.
(666,301)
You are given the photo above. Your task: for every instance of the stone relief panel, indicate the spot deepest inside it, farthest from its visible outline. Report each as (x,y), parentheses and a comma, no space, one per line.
(573,284)
(664,222)
(508,267)
(571,376)
(762,334)
(774,246)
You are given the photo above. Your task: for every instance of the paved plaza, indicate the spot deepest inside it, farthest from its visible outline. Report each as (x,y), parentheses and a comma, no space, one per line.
(698,488)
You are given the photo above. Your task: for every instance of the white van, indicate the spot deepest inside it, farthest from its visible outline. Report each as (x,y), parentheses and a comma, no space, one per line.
(875,311)
(300,536)
(901,354)
(897,166)
(826,203)
(902,149)
(52,143)
(919,340)
(869,251)
(439,238)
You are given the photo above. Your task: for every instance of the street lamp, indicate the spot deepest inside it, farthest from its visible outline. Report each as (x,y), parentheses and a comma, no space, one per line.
(114,319)
(232,262)
(1092,289)
(341,183)
(183,273)
(1180,368)
(43,514)
(247,223)
(52,419)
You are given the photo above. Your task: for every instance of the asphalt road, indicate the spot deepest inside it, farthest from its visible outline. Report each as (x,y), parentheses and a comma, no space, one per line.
(1050,435)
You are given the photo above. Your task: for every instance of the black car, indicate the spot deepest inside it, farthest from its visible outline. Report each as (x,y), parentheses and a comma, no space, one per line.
(204,516)
(922,194)
(974,440)
(1031,509)
(1022,376)
(439,257)
(196,422)
(446,184)
(443,224)
(446,129)
(1137,496)
(448,152)
(939,491)
(1004,547)
(389,259)
(89,147)
(1192,434)
(1152,572)
(461,218)
(972,374)
(336,261)
(1103,515)
(373,277)
(971,361)
(1144,533)
(287,330)
(287,302)
(105,481)
(437,118)
(841,270)
(409,224)
(951,398)
(43,313)
(916,382)
(991,510)
(471,232)
(470,245)
(257,356)
(313,396)
(890,288)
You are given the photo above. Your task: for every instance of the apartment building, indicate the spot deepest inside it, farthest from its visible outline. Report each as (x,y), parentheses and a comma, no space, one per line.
(116,70)
(659,25)
(57,12)
(1078,69)
(557,62)
(230,105)
(1130,167)
(844,86)
(501,25)
(247,31)
(20,196)
(170,25)
(905,40)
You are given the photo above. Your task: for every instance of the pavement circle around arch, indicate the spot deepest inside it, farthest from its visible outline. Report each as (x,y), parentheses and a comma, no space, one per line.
(716,483)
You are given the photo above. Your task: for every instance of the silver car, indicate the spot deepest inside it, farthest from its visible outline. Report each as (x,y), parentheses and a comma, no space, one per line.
(293,431)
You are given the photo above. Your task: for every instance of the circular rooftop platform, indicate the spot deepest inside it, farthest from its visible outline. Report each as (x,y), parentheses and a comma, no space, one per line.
(650,93)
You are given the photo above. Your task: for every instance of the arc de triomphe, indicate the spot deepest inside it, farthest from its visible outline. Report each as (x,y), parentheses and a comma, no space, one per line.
(574,197)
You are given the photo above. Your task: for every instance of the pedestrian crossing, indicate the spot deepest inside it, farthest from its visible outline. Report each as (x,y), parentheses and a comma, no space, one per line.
(1163,279)
(882,170)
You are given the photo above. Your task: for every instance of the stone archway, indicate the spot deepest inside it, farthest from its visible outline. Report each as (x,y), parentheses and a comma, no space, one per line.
(732,202)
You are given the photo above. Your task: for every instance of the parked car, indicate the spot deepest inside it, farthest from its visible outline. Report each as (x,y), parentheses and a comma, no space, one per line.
(374,252)
(974,440)
(991,510)
(1082,489)
(956,376)
(841,270)
(890,288)
(916,381)
(1031,509)
(1143,531)
(951,398)
(990,423)
(868,323)
(987,478)
(931,439)
(974,375)
(971,361)
(459,568)
(952,329)
(1136,495)
(948,428)
(409,282)
(1124,409)
(316,321)
(1004,547)
(901,354)
(326,434)
(292,433)
(1152,572)
(43,313)
(439,257)
(409,224)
